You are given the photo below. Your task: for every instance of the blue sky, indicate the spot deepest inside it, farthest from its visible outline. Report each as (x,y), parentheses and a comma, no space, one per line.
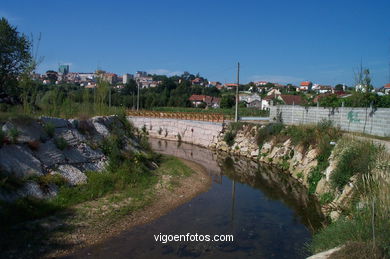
(279,41)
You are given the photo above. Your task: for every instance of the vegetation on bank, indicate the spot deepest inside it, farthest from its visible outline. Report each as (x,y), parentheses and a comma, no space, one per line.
(364,226)
(129,172)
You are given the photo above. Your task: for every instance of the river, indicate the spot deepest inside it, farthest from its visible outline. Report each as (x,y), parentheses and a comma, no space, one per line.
(268,213)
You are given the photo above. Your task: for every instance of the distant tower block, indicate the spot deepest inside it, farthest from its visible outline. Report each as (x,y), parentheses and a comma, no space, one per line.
(63,69)
(127,77)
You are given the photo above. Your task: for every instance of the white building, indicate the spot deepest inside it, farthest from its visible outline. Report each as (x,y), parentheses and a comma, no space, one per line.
(126,78)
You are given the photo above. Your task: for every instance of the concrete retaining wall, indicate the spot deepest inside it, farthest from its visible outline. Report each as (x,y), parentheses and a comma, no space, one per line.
(200,133)
(365,120)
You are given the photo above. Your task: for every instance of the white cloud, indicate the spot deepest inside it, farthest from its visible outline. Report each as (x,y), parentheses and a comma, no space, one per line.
(276,78)
(162,71)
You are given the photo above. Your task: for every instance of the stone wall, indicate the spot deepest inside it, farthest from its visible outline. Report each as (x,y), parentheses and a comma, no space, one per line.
(364,120)
(200,133)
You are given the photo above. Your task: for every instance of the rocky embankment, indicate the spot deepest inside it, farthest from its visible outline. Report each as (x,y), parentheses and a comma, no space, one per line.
(293,159)
(32,149)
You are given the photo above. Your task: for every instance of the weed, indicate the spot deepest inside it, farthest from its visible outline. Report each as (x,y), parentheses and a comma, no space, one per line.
(61,143)
(326,198)
(13,133)
(357,158)
(267,131)
(49,129)
(229,138)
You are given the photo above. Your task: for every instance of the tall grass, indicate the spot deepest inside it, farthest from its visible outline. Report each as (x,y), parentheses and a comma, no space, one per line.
(367,222)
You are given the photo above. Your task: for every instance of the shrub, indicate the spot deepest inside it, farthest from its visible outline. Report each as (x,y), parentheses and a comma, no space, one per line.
(229,138)
(49,129)
(144,130)
(326,198)
(267,131)
(13,134)
(357,158)
(61,143)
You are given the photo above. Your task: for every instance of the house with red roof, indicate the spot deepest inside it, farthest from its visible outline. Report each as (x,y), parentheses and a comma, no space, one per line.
(305,86)
(386,88)
(209,101)
(287,99)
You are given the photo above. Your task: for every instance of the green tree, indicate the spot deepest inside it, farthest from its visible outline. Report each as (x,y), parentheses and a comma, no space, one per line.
(15,56)
(227,101)
(339,87)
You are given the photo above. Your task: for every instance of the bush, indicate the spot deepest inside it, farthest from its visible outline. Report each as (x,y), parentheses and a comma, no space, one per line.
(267,131)
(326,198)
(229,138)
(49,129)
(61,143)
(13,134)
(357,158)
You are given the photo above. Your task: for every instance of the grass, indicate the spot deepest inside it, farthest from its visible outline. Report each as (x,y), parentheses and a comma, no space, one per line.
(65,110)
(266,132)
(49,129)
(129,180)
(365,225)
(61,143)
(358,157)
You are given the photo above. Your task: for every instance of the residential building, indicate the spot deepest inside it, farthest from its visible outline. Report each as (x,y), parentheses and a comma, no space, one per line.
(208,101)
(261,83)
(286,99)
(214,84)
(248,97)
(63,69)
(386,88)
(197,81)
(140,74)
(126,78)
(305,86)
(230,86)
(255,104)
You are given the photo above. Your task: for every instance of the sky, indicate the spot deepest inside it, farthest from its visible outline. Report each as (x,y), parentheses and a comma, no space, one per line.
(274,40)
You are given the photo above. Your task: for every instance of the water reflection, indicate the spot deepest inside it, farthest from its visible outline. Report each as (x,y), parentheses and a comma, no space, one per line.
(268,212)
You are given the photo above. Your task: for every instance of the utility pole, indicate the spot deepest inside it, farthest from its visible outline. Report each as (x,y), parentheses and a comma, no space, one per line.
(137,96)
(237,97)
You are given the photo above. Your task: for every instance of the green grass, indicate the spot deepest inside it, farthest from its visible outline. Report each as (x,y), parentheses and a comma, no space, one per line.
(65,110)
(267,131)
(355,158)
(365,220)
(174,167)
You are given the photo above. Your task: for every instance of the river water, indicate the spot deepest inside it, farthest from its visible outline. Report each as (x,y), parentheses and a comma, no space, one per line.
(268,213)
